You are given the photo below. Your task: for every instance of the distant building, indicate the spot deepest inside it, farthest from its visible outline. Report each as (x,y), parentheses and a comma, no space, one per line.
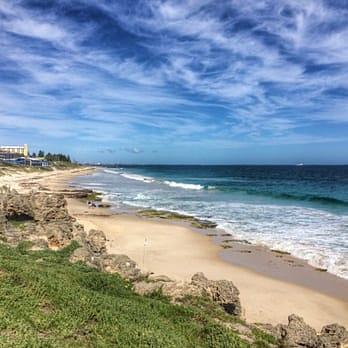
(27,161)
(11,152)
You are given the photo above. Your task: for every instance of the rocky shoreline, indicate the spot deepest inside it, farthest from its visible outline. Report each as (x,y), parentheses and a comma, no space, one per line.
(41,219)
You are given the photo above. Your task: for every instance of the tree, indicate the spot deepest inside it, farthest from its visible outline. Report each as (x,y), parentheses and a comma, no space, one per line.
(57,157)
(41,153)
(33,154)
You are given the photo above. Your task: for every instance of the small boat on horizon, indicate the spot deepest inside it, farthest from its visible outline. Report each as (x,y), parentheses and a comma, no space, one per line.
(300,164)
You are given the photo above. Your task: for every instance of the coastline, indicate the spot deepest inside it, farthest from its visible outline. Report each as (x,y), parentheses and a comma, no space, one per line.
(178,250)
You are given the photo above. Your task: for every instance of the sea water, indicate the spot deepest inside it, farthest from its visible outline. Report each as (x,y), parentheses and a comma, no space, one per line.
(299,209)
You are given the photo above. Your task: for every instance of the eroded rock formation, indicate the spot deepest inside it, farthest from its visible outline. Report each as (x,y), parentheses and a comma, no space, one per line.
(298,334)
(40,218)
(221,292)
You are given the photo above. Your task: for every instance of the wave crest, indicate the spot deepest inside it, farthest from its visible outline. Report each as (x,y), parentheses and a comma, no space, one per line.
(138,177)
(184,186)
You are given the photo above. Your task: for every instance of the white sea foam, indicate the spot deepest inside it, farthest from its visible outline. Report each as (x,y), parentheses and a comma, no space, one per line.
(109,171)
(138,177)
(310,234)
(316,235)
(94,184)
(184,186)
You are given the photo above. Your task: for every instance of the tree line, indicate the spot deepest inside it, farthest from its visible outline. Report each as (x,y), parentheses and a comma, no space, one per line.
(52,157)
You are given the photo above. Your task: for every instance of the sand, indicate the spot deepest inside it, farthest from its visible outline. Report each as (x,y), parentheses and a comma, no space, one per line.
(179,251)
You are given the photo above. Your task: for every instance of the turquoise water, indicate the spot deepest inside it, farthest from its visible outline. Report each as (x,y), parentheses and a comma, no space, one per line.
(300,209)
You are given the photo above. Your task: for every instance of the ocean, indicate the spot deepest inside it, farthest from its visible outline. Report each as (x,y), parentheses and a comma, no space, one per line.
(299,209)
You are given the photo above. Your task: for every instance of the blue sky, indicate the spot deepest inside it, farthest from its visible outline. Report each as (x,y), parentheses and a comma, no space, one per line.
(195,81)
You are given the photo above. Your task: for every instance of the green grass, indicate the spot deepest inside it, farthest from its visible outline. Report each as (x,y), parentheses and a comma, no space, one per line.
(45,301)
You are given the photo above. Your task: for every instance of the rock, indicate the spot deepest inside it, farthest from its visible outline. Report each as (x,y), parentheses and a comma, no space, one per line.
(177,291)
(58,239)
(79,233)
(50,208)
(159,278)
(297,333)
(147,288)
(83,255)
(333,336)
(104,205)
(15,205)
(36,216)
(222,292)
(96,242)
(122,265)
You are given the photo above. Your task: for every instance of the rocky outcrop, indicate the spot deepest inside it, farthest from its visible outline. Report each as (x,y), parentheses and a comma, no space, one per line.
(333,336)
(221,292)
(122,265)
(40,218)
(96,242)
(298,334)
(93,253)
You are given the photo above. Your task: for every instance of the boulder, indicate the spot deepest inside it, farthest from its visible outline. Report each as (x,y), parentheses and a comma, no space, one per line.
(79,233)
(58,237)
(147,288)
(297,333)
(83,255)
(159,278)
(96,242)
(122,265)
(13,204)
(37,216)
(50,208)
(333,336)
(222,292)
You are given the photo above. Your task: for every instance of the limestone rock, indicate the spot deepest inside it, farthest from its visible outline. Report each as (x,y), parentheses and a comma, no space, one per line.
(122,265)
(147,288)
(159,278)
(12,204)
(83,255)
(79,233)
(96,242)
(333,336)
(222,292)
(37,216)
(177,291)
(297,333)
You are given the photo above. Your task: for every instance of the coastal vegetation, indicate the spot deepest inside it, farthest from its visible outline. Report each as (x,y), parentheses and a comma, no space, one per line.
(52,157)
(48,302)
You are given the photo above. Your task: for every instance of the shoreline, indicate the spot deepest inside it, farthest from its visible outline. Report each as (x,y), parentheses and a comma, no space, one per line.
(179,250)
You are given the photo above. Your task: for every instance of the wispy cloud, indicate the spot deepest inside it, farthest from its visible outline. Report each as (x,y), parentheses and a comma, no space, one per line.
(175,71)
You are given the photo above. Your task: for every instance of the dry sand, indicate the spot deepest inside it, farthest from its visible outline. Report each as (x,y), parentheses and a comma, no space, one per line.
(179,251)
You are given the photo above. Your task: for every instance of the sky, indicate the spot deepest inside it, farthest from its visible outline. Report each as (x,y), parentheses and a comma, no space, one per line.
(189,82)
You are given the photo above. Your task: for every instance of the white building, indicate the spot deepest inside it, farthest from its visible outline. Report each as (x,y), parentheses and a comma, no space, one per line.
(15,150)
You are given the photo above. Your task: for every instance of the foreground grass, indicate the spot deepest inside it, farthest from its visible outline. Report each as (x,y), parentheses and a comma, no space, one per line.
(47,302)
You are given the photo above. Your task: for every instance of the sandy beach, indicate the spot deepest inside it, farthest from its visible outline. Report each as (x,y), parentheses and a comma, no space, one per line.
(270,288)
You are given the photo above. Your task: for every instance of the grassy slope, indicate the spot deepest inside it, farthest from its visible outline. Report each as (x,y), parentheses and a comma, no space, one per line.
(47,302)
